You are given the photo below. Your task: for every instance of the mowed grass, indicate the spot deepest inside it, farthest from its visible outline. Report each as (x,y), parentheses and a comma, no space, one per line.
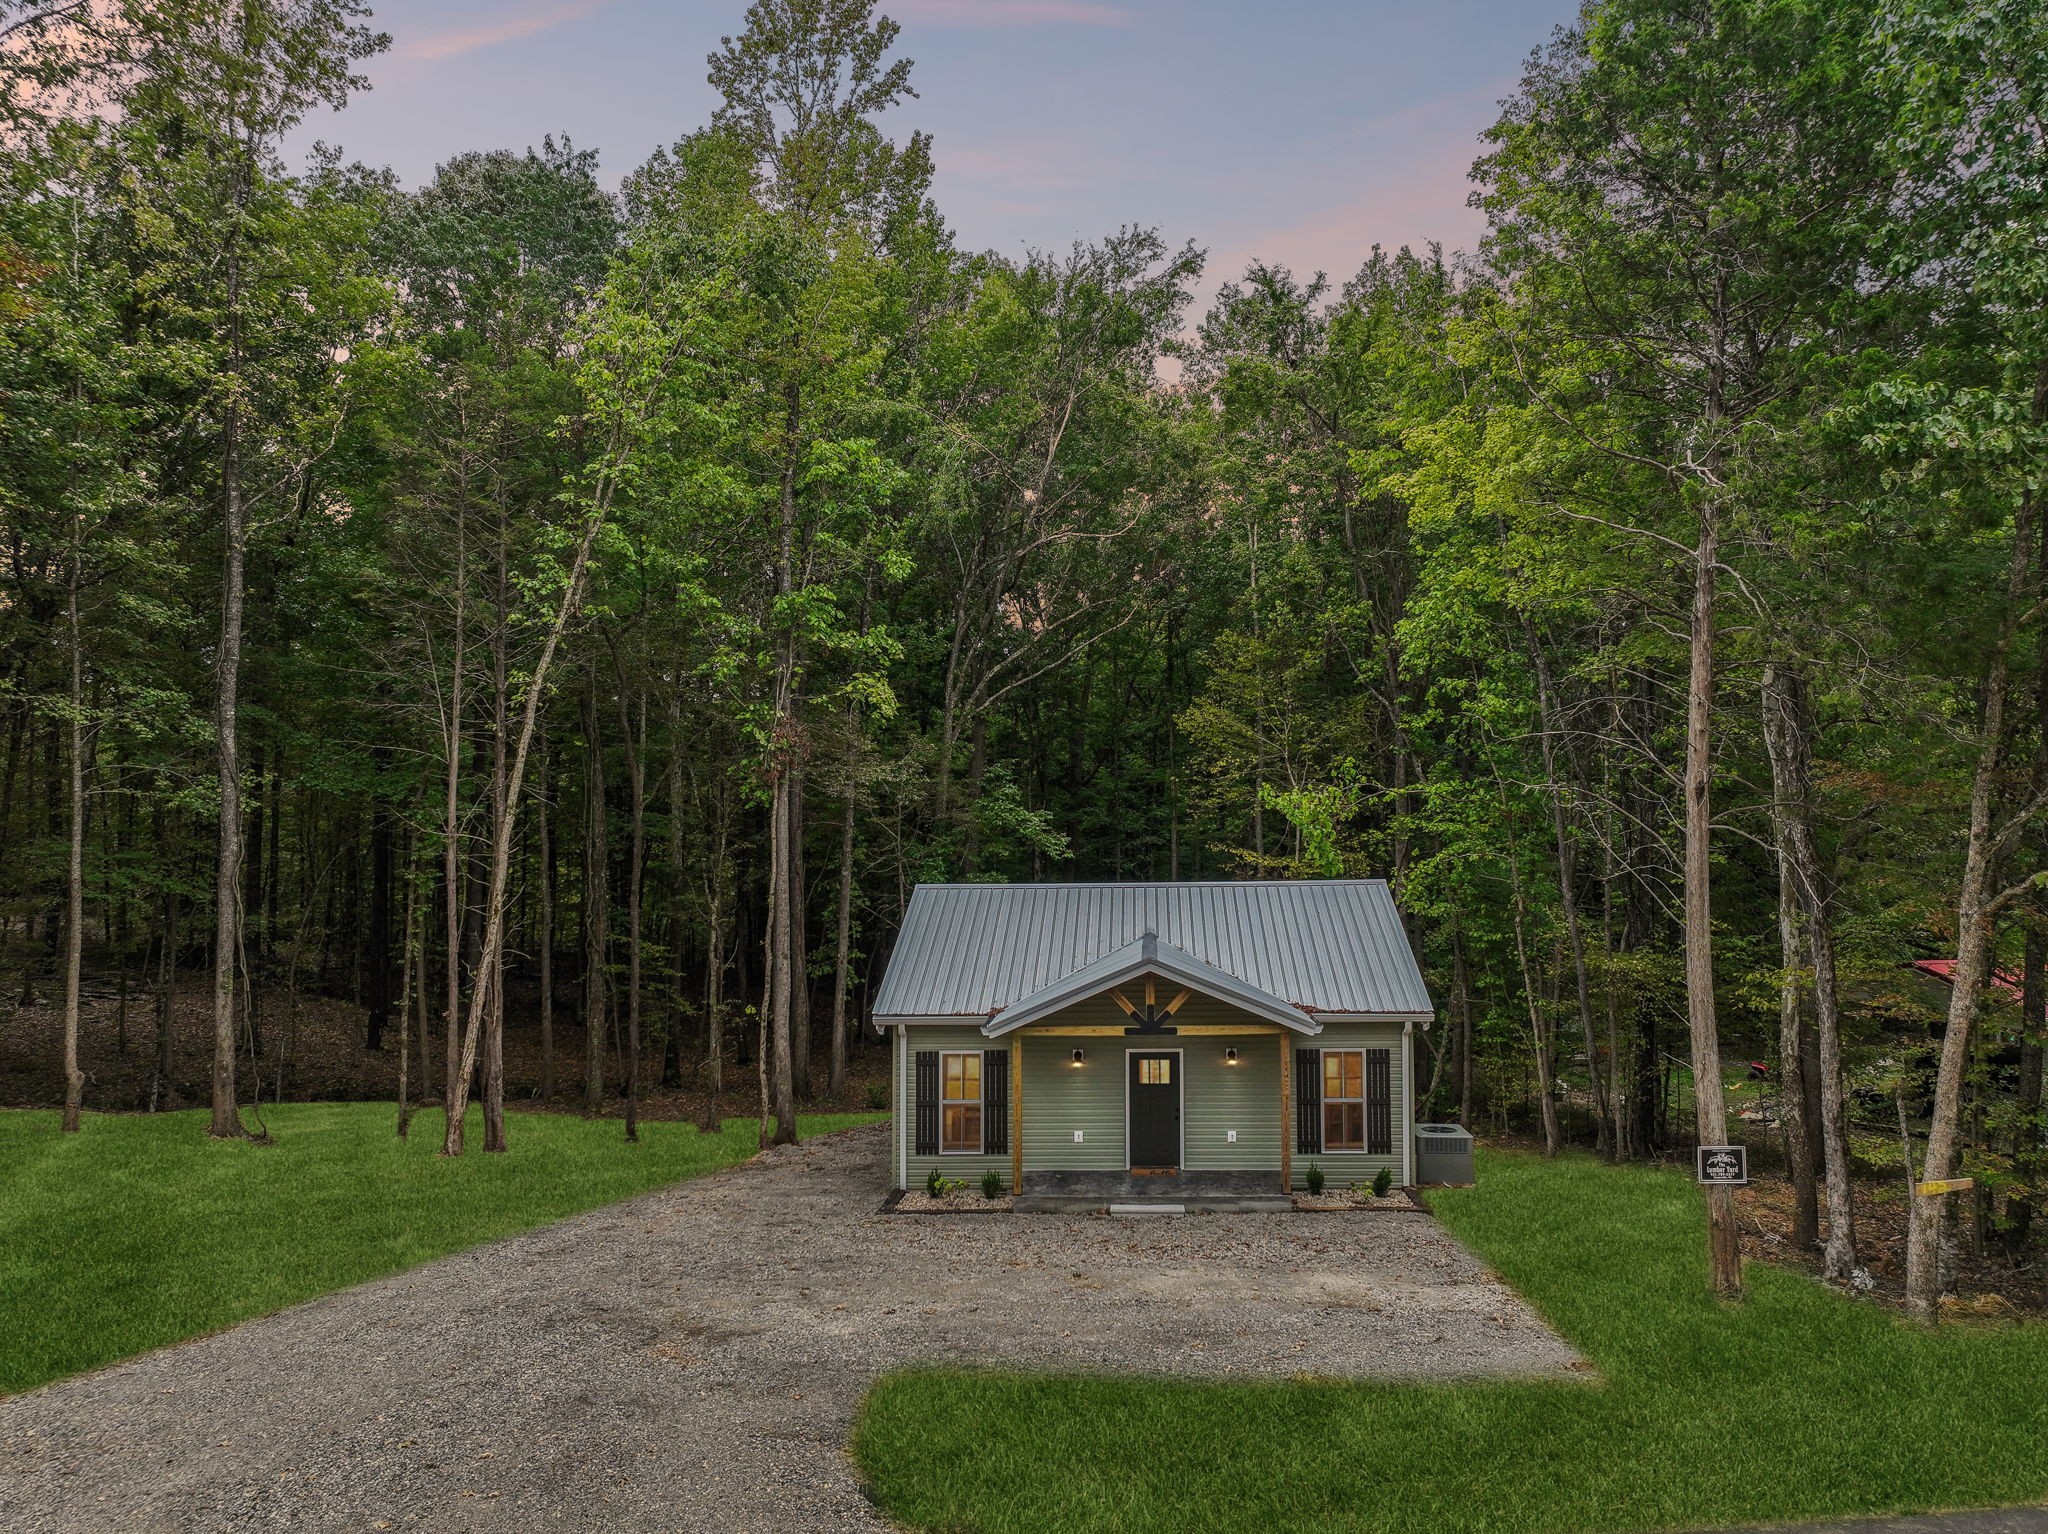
(1796,1404)
(140,1231)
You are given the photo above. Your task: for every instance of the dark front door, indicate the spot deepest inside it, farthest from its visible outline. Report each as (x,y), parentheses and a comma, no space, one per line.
(1155,1112)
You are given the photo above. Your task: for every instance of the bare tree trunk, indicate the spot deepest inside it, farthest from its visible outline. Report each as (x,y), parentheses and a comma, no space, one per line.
(844,949)
(1710,1109)
(1788,737)
(1461,1012)
(714,965)
(501,823)
(406,977)
(1567,885)
(227,883)
(501,838)
(1792,1060)
(1539,1033)
(636,779)
(452,1091)
(74,875)
(799,947)
(780,1102)
(596,909)
(547,929)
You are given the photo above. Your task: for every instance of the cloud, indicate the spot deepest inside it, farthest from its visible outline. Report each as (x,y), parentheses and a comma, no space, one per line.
(1008,13)
(449,45)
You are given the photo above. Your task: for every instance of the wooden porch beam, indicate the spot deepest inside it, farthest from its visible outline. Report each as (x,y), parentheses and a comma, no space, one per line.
(1286,1114)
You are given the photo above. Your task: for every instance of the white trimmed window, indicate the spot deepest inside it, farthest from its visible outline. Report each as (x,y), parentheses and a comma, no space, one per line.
(1343,1099)
(960,1103)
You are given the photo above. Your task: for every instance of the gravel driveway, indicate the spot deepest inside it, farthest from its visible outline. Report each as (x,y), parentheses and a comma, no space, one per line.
(691,1360)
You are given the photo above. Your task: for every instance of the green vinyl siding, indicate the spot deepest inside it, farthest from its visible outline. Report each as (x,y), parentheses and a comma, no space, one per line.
(912,1169)
(1061,1098)
(1219,1097)
(1345,1168)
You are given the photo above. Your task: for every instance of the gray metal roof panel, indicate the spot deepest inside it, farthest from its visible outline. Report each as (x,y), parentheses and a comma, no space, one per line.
(1326,945)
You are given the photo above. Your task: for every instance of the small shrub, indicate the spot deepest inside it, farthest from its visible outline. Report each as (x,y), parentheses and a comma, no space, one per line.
(1315,1178)
(878,1095)
(991,1183)
(1381,1183)
(934,1184)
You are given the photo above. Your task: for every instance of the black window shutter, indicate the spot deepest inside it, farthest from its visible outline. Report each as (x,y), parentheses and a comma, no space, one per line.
(1379,1103)
(995,1102)
(1308,1101)
(927,1102)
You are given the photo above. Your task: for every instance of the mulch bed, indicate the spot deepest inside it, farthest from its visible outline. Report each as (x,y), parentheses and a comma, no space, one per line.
(954,1201)
(1355,1201)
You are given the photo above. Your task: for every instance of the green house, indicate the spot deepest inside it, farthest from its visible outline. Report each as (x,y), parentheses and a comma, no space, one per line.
(1104,1037)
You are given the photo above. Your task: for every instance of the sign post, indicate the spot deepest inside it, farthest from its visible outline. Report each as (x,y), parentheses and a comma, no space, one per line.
(1722,1166)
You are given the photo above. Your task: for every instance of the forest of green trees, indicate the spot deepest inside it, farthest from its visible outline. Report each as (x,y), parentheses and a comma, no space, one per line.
(511,605)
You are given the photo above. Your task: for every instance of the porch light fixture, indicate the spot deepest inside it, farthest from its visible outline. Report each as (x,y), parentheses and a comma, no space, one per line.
(1080,1055)
(1230,1056)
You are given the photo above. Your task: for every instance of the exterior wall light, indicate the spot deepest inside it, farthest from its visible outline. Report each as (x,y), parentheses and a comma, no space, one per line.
(1080,1055)
(1230,1056)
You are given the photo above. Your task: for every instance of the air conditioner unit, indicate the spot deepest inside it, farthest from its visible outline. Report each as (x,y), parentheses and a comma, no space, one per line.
(1443,1156)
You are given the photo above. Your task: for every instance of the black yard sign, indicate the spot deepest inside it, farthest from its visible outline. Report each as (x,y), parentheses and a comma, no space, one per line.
(1727,1165)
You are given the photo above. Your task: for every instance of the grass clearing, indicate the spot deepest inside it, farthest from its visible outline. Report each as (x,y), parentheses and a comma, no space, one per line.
(1796,1404)
(140,1231)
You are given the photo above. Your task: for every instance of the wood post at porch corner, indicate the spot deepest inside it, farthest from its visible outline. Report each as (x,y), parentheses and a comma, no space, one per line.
(1016,1113)
(1286,1114)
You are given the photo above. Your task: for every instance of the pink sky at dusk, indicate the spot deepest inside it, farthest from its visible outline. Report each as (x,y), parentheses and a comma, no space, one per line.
(1295,131)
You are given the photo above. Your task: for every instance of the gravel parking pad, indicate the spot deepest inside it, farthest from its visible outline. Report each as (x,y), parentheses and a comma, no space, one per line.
(691,1360)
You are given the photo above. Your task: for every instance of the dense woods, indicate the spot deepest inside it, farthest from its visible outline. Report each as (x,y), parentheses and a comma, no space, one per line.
(522,609)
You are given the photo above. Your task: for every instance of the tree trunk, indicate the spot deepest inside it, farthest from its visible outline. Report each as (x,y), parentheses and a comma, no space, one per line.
(843,947)
(799,947)
(1788,737)
(1539,1033)
(74,875)
(636,862)
(227,883)
(454,1093)
(1567,886)
(407,974)
(543,826)
(381,897)
(596,910)
(714,966)
(1461,1013)
(1792,1060)
(1710,1110)
(500,875)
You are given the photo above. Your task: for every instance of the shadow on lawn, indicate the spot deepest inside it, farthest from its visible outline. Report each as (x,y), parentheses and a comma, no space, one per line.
(1799,1403)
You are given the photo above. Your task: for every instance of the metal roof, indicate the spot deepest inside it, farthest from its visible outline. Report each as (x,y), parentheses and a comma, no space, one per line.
(1324,945)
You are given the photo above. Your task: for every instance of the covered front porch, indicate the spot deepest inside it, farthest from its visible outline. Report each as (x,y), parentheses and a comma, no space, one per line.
(1046,1192)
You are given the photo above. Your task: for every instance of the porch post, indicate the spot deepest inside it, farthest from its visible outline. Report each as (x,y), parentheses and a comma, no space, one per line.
(1016,1113)
(1286,1112)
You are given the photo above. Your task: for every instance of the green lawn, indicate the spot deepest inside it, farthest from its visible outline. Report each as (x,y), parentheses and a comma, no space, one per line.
(1796,1404)
(140,1231)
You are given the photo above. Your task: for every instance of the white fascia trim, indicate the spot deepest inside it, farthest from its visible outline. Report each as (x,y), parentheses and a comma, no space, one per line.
(964,1020)
(1424,1018)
